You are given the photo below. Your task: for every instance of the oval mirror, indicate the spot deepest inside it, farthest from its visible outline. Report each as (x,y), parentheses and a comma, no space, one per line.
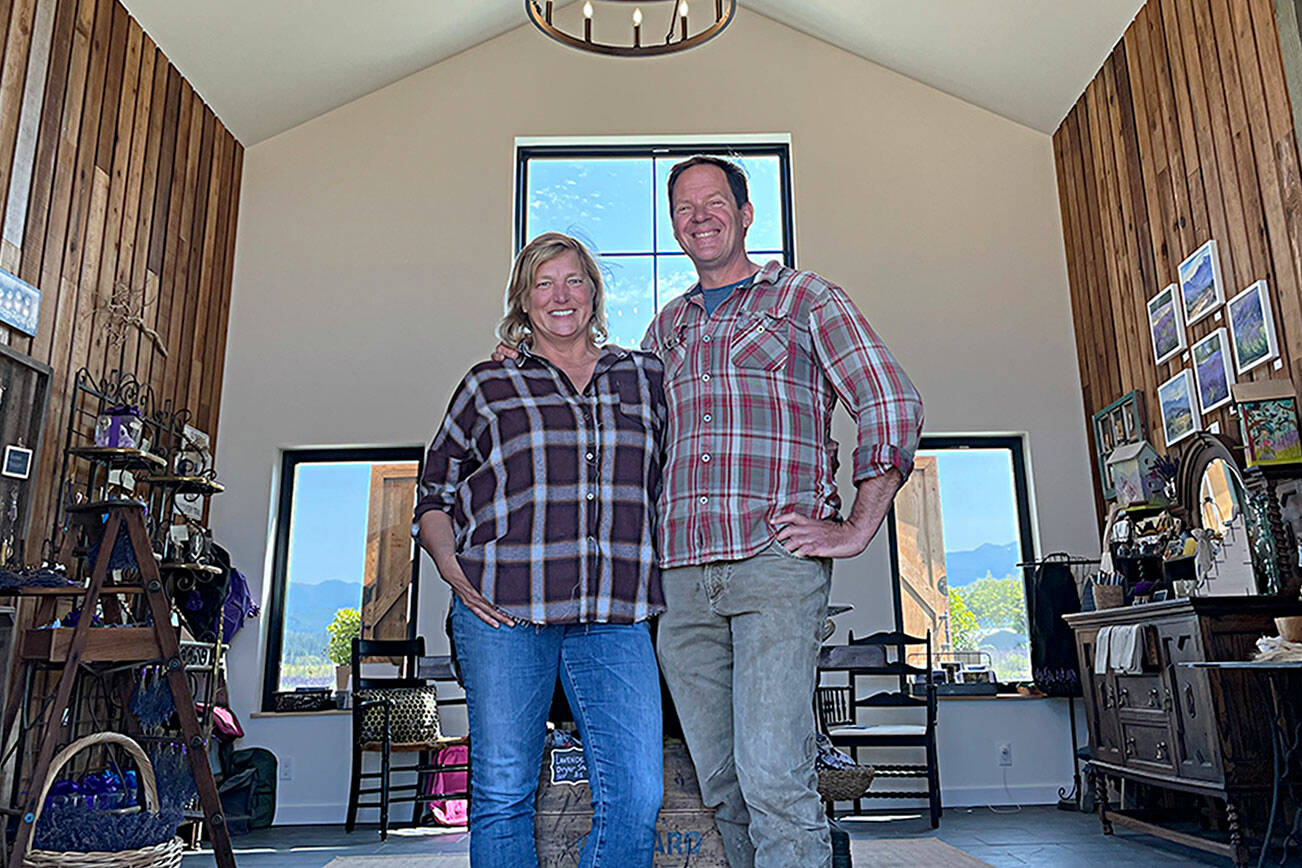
(1220,496)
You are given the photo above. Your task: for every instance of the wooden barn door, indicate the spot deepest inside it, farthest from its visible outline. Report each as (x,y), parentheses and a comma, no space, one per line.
(386,582)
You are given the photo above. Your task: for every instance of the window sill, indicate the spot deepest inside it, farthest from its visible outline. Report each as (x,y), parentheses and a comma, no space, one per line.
(325,711)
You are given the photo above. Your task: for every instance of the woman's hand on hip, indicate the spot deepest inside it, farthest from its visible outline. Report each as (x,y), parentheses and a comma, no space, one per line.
(477,603)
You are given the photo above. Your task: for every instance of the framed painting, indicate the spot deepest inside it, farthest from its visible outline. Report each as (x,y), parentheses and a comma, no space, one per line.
(1252,327)
(1268,421)
(1212,370)
(1202,289)
(1179,414)
(1165,324)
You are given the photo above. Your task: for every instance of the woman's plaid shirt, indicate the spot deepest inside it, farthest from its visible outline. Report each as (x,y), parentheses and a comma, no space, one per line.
(552,492)
(751,391)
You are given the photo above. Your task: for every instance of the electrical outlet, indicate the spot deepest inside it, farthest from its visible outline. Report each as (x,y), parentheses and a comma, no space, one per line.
(286,768)
(1005,751)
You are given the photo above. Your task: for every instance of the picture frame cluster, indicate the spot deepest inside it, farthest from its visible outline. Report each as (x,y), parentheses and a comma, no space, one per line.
(1217,359)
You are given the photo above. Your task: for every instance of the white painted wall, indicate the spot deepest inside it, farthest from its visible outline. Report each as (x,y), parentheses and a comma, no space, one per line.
(374,244)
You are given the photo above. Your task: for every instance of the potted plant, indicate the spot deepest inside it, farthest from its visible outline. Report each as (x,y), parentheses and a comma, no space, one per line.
(346,625)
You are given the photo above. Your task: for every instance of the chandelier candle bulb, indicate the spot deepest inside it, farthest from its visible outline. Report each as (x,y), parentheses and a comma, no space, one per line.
(549,11)
(587,22)
(682,16)
(637,27)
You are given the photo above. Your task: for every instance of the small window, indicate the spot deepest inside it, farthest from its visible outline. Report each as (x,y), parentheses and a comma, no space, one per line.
(613,198)
(343,541)
(962,526)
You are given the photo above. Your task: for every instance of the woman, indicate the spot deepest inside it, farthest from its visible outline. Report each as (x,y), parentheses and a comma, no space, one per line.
(537,503)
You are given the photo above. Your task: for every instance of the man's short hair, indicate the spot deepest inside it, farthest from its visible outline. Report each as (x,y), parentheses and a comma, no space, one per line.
(735,174)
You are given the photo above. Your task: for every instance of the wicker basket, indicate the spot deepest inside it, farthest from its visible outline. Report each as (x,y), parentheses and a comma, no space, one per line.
(164,855)
(1109,596)
(841,785)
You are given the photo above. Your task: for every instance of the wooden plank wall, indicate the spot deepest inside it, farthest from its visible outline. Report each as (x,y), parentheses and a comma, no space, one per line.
(113,173)
(1185,134)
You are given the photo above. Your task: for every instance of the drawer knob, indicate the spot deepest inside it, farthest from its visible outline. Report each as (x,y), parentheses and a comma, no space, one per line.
(1153,698)
(1123,697)
(1161,750)
(1130,746)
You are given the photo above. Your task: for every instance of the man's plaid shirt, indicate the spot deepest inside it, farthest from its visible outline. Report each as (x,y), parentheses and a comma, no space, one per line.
(751,391)
(552,492)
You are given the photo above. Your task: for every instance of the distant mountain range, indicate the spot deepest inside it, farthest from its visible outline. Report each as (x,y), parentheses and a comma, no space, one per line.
(965,567)
(311,607)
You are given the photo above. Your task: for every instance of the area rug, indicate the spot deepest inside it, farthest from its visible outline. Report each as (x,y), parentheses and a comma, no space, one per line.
(405,860)
(911,853)
(880,853)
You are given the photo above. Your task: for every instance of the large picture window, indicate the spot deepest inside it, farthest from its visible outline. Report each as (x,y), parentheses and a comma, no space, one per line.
(962,525)
(343,541)
(613,198)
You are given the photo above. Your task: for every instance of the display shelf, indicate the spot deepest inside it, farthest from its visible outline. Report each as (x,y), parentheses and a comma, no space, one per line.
(184,566)
(120,457)
(186,484)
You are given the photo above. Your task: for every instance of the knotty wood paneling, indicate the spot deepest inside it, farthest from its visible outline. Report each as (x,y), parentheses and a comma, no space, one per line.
(1185,134)
(113,175)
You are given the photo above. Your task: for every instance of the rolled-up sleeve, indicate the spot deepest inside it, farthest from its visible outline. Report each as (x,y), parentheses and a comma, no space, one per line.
(867,378)
(452,455)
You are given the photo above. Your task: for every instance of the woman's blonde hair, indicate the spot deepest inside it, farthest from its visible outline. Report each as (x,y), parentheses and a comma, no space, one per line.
(515,326)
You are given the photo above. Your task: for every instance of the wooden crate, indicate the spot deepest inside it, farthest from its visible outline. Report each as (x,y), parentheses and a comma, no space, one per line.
(685,831)
(102,643)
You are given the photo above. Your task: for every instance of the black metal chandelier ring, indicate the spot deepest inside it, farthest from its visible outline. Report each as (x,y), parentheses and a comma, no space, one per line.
(677,38)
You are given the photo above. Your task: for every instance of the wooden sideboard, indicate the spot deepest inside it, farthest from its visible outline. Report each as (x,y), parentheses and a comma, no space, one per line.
(1195,731)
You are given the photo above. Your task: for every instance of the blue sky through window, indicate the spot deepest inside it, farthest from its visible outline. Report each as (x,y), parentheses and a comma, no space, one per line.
(977,501)
(618,207)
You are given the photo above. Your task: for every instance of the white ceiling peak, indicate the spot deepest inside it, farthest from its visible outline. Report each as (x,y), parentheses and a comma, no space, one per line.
(265,67)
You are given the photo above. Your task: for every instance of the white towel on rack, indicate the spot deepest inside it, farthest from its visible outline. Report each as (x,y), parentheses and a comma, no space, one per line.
(1102,650)
(1126,653)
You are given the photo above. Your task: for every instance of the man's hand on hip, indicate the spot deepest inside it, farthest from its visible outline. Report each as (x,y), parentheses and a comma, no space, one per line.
(832,538)
(821,538)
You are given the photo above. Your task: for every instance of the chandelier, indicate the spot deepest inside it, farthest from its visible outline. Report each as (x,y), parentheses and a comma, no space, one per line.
(678,35)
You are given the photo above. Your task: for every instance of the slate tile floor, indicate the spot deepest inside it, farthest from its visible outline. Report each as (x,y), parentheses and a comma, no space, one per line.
(1033,836)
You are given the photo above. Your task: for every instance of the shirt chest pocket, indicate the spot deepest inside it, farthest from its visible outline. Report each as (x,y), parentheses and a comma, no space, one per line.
(762,342)
(673,354)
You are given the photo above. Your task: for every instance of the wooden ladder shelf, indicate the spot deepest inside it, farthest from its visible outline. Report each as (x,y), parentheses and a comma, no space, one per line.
(165,646)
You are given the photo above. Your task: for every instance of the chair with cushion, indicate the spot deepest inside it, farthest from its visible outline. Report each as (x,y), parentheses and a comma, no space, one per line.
(867,661)
(396,714)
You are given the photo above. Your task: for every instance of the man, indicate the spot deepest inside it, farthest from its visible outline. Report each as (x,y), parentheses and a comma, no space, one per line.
(755,359)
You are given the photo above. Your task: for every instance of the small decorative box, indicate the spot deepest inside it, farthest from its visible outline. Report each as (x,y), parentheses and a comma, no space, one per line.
(120,427)
(303,699)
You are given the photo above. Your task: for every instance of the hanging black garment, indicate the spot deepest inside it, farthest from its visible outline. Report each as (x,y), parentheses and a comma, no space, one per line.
(1050,594)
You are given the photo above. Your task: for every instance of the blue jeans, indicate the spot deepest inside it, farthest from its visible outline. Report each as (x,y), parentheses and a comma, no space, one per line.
(609,675)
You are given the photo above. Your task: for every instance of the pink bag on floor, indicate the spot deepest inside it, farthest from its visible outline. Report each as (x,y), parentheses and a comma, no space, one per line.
(450,812)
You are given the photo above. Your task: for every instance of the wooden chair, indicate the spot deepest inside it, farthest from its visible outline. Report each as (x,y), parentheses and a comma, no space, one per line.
(838,710)
(397,714)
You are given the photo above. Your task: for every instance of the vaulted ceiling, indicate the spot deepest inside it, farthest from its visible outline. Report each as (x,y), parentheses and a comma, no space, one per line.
(268,65)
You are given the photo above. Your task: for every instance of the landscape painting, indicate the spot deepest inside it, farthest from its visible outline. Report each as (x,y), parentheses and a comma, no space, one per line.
(1201,287)
(1179,416)
(1211,360)
(1164,324)
(1252,327)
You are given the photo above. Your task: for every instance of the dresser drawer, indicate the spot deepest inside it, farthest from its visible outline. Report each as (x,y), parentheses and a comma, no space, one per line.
(1146,746)
(1141,693)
